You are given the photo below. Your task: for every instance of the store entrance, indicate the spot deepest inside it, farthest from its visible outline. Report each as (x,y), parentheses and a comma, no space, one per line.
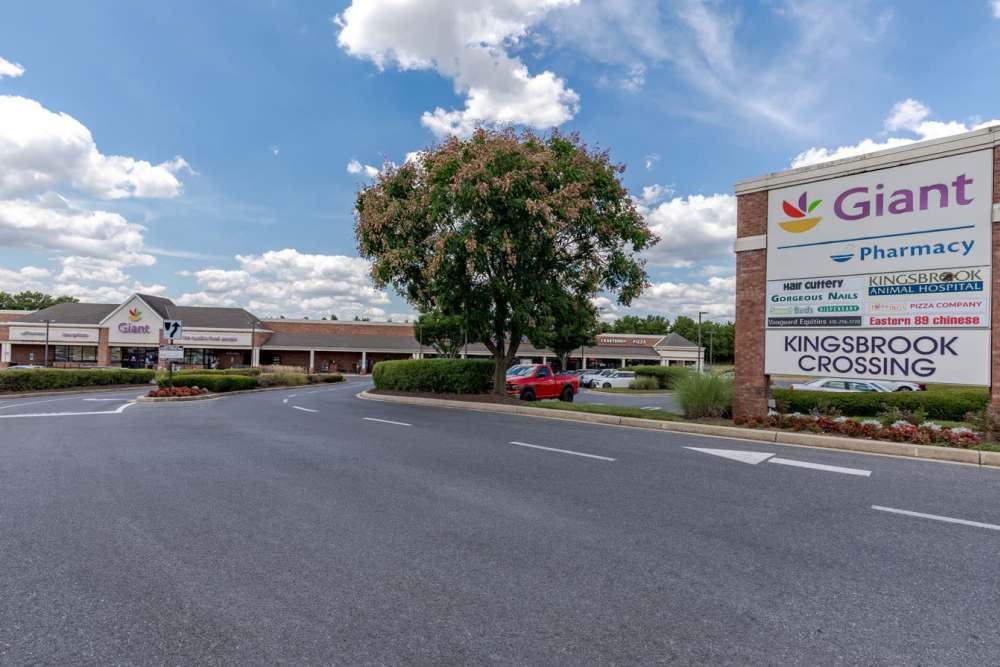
(135,357)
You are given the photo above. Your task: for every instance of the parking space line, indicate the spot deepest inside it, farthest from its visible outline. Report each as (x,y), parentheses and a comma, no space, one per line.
(936,517)
(304,409)
(385,421)
(562,451)
(50,400)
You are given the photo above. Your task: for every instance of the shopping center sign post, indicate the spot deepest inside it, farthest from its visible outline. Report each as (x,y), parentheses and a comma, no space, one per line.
(172,329)
(877,267)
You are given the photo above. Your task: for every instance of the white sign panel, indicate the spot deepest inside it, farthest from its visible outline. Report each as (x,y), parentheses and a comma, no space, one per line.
(951,356)
(929,215)
(134,323)
(949,298)
(57,335)
(171,352)
(215,339)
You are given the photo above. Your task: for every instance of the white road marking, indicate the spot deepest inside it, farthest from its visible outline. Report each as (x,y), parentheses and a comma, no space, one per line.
(51,400)
(284,400)
(936,517)
(653,408)
(562,451)
(386,421)
(108,400)
(753,458)
(117,411)
(820,466)
(292,395)
(304,409)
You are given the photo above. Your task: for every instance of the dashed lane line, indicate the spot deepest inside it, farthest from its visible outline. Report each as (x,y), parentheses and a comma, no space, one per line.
(385,421)
(563,451)
(303,409)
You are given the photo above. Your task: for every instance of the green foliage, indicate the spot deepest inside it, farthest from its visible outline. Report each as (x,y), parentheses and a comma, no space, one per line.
(667,377)
(632,324)
(894,414)
(319,378)
(494,225)
(283,379)
(62,378)
(645,383)
(218,371)
(704,395)
(564,325)
(615,410)
(31,300)
(687,327)
(445,333)
(951,404)
(443,376)
(217,383)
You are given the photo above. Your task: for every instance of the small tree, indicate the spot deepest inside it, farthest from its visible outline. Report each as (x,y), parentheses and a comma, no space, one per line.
(500,224)
(31,300)
(445,333)
(566,325)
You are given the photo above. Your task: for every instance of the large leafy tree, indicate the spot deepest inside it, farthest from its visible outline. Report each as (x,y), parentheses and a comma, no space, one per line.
(498,225)
(31,300)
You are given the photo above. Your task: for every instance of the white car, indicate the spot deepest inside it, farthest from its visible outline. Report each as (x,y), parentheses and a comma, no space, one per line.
(615,379)
(592,378)
(842,385)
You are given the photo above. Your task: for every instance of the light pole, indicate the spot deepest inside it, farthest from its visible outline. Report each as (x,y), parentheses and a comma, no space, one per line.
(253,335)
(711,355)
(47,323)
(700,354)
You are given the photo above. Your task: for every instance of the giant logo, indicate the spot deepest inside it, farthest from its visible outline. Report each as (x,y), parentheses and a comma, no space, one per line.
(800,223)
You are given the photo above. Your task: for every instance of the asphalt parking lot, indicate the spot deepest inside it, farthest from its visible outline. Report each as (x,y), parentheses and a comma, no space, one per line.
(308,526)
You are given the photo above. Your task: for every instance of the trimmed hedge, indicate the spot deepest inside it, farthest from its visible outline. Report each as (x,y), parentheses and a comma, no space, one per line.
(284,379)
(320,378)
(441,376)
(666,376)
(65,378)
(218,371)
(950,404)
(217,383)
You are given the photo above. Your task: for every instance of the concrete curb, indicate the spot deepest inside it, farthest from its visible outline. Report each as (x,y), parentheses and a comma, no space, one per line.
(907,450)
(174,399)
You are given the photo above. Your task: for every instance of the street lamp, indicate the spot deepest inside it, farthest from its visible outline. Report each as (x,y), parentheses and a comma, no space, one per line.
(47,323)
(711,354)
(700,355)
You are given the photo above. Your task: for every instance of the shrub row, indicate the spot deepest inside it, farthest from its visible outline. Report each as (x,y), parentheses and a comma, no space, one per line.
(705,396)
(900,431)
(64,378)
(216,383)
(218,371)
(319,378)
(666,376)
(645,383)
(951,404)
(442,376)
(282,379)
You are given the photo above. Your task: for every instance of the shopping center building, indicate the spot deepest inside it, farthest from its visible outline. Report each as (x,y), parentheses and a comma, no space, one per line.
(130,334)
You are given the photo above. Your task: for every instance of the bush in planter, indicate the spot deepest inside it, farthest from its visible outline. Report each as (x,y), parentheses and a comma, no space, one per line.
(646,383)
(705,396)
(217,383)
(284,379)
(666,376)
(318,378)
(950,404)
(440,376)
(36,379)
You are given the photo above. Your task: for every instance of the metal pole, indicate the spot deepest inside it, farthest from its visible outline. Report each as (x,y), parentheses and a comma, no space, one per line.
(700,355)
(711,355)
(253,335)
(47,322)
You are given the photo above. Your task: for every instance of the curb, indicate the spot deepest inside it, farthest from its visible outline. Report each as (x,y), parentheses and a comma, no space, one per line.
(175,399)
(901,449)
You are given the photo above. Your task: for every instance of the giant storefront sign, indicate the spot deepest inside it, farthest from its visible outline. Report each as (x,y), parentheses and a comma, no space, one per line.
(885,274)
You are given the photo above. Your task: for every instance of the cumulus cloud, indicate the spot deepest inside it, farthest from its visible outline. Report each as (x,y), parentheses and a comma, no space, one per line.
(909,115)
(91,269)
(717,297)
(995,7)
(107,293)
(652,194)
(40,149)
(9,69)
(51,222)
(288,282)
(469,43)
(25,278)
(355,167)
(691,229)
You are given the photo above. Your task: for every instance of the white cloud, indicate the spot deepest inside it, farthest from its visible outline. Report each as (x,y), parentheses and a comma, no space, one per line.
(691,229)
(652,194)
(995,7)
(355,167)
(275,150)
(26,278)
(467,42)
(717,297)
(50,222)
(106,293)
(909,115)
(91,269)
(650,160)
(40,149)
(287,282)
(9,69)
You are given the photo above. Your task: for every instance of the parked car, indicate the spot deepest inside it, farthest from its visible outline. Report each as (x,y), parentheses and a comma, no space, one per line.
(539,381)
(840,385)
(591,377)
(901,386)
(616,380)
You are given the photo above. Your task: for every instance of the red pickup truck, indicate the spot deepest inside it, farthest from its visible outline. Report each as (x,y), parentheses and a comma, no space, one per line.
(532,382)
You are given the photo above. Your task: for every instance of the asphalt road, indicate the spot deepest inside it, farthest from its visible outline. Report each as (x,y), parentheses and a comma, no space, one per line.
(310,527)
(664,402)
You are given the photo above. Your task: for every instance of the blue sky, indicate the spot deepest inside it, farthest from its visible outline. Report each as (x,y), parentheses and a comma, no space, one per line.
(210,152)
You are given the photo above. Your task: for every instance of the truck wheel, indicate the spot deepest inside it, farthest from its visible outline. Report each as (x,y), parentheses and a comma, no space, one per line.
(528,395)
(567,394)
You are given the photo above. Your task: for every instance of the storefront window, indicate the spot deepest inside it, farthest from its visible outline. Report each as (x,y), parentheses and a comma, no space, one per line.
(80,354)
